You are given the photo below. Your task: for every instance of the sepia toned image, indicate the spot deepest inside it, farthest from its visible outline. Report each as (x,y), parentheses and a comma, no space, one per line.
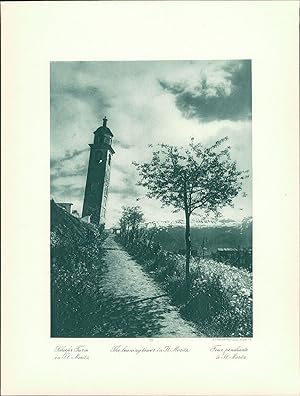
(151,199)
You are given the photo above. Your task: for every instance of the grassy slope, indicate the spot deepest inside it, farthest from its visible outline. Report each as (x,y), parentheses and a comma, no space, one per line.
(75,272)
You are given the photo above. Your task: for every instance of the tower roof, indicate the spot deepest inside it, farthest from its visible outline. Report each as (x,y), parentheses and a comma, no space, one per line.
(104,129)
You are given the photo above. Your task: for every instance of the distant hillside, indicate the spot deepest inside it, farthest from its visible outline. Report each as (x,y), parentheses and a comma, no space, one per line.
(172,238)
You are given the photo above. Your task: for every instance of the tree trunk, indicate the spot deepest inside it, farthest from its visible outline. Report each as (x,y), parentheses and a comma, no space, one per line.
(187,252)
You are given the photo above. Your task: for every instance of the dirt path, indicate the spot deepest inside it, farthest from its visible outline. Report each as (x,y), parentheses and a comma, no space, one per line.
(124,283)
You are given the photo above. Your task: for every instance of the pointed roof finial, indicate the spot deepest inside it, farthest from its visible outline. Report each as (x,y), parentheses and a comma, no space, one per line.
(104,121)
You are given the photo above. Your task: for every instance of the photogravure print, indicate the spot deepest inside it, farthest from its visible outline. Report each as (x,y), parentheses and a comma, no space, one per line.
(151,199)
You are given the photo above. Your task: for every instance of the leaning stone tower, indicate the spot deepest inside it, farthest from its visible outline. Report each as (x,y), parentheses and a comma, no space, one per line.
(98,175)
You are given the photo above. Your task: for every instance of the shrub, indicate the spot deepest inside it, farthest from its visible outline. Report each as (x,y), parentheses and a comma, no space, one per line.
(222,297)
(176,287)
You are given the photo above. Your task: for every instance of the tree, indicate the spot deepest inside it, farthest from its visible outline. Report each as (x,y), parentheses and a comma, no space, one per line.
(192,179)
(132,217)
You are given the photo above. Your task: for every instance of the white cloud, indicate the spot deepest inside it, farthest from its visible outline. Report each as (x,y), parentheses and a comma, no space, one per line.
(139,112)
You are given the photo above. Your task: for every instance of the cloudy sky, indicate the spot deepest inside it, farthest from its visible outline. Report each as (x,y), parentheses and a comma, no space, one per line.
(145,102)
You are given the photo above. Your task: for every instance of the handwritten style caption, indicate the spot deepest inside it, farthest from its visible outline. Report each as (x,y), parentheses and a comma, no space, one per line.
(78,352)
(137,350)
(229,353)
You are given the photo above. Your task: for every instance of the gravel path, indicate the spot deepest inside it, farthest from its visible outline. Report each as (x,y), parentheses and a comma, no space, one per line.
(124,283)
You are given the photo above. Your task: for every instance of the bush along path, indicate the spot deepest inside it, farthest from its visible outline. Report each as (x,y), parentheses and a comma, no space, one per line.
(220,298)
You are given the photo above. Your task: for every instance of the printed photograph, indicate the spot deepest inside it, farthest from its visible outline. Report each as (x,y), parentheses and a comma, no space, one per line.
(151,199)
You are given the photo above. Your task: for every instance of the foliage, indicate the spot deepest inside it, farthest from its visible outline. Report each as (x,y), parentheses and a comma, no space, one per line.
(131,219)
(223,296)
(194,178)
(75,296)
(191,179)
(76,271)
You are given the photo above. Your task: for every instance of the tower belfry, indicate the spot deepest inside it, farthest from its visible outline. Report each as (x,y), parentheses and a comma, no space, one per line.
(97,181)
